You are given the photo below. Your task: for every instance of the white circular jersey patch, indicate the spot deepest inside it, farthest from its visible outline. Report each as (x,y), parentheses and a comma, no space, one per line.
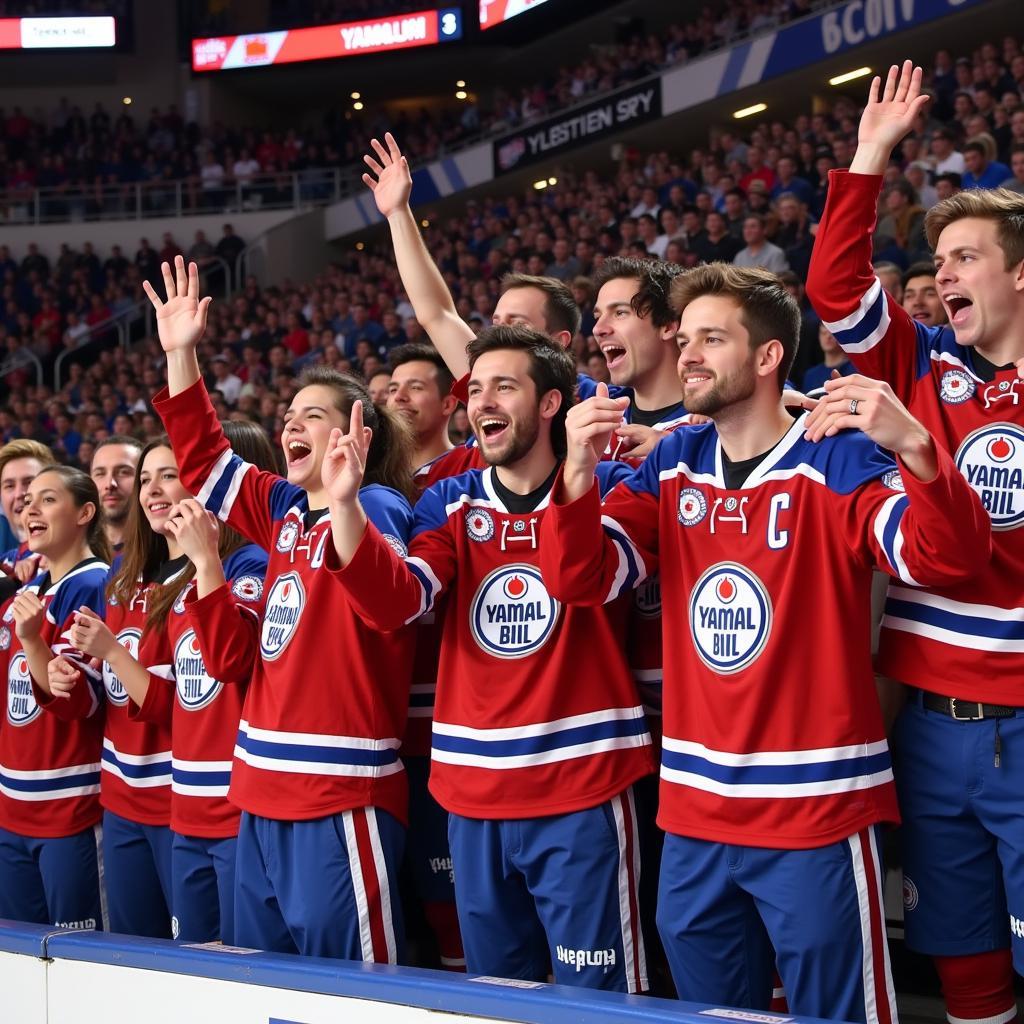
(21,701)
(195,688)
(5,638)
(992,460)
(116,693)
(285,602)
(288,535)
(893,480)
(956,386)
(479,525)
(730,617)
(647,597)
(693,506)
(247,588)
(512,614)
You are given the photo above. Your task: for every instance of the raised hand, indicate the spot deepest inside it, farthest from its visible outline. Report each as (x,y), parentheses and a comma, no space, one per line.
(181,320)
(91,635)
(63,677)
(196,530)
(28,568)
(888,116)
(863,403)
(636,440)
(345,459)
(28,612)
(589,428)
(391,181)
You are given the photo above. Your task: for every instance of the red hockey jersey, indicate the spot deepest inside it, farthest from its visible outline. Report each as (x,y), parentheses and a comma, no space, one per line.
(536,712)
(326,708)
(762,745)
(202,711)
(963,639)
(136,755)
(50,759)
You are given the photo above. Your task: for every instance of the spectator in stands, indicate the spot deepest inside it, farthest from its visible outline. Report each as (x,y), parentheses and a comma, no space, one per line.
(112,466)
(891,277)
(899,235)
(1016,181)
(981,171)
(224,381)
(759,252)
(945,157)
(715,242)
(921,297)
(834,361)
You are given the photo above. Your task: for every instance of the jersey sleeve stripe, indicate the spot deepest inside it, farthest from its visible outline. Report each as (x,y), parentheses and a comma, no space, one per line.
(630,569)
(870,327)
(216,472)
(429,583)
(889,534)
(221,489)
(851,320)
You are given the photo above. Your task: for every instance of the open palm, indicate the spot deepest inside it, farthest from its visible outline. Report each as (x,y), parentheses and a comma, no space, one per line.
(890,112)
(391,181)
(181,320)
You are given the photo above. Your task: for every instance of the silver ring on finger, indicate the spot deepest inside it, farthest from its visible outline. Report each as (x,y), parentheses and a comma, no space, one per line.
(853,406)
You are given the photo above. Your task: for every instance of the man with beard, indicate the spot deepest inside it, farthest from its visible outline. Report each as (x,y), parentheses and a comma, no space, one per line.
(772,783)
(113,471)
(538,733)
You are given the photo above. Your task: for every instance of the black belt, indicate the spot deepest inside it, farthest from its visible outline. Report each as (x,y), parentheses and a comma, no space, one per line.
(966,710)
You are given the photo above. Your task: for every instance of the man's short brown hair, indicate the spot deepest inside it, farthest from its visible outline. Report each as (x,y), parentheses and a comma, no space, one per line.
(1006,208)
(767,310)
(560,310)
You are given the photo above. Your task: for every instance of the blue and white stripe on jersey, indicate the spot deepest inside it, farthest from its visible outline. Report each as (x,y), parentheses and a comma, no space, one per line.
(140,771)
(526,746)
(316,753)
(221,487)
(888,529)
(866,326)
(200,778)
(776,773)
(50,784)
(973,627)
(631,569)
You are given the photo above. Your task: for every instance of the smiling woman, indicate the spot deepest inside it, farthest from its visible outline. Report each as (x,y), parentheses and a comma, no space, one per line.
(50,749)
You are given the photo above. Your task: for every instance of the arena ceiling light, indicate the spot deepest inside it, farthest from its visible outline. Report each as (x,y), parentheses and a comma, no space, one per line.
(462,94)
(357,105)
(850,76)
(542,184)
(748,111)
(356,95)
(460,84)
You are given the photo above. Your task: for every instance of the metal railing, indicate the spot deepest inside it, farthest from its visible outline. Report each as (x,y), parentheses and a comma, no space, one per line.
(76,202)
(22,357)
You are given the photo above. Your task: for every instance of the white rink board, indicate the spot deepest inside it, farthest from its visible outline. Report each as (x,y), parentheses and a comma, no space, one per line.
(90,993)
(22,989)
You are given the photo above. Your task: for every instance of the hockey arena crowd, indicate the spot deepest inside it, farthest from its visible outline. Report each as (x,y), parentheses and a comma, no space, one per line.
(493,454)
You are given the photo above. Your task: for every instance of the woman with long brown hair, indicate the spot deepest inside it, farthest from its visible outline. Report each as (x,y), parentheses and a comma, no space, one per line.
(205,606)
